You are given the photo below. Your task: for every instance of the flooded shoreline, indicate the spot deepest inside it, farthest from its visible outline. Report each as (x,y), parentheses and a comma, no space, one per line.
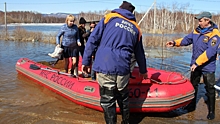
(24,101)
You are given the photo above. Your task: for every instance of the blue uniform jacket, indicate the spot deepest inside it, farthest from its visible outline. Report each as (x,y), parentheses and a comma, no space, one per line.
(205,46)
(116,36)
(70,36)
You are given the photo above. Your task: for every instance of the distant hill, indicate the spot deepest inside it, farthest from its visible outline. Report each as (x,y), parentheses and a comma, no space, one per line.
(59,15)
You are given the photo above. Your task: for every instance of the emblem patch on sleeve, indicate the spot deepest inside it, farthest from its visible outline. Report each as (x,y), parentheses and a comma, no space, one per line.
(214,41)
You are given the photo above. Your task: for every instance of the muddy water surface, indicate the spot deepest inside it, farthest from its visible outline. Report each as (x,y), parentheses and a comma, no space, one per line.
(22,101)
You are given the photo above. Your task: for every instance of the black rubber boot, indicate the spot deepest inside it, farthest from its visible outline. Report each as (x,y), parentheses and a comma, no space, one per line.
(209,80)
(108,104)
(194,79)
(211,107)
(123,102)
(191,106)
(72,71)
(211,115)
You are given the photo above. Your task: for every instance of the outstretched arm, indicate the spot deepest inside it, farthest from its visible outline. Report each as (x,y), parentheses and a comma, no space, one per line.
(140,57)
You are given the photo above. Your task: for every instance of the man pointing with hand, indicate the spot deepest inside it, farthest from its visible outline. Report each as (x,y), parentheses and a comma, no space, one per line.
(205,41)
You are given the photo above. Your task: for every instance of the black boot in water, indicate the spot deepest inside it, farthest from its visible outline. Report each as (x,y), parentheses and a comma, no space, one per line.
(210,94)
(211,116)
(211,107)
(108,104)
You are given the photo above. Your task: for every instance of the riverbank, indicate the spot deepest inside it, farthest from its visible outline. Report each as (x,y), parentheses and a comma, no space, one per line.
(46,32)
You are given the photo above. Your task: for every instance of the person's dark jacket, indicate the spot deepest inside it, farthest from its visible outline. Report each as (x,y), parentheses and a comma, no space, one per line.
(83,38)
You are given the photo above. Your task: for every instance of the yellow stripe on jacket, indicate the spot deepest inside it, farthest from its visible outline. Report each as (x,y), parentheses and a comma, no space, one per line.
(178,41)
(213,33)
(202,59)
(112,15)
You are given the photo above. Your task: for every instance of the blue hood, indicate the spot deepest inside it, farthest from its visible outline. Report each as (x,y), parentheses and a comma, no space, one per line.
(205,30)
(125,13)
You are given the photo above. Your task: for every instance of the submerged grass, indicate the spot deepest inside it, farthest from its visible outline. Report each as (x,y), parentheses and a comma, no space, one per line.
(20,34)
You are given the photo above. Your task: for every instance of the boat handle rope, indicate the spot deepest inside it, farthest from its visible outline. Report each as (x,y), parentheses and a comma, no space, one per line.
(168,77)
(177,82)
(36,67)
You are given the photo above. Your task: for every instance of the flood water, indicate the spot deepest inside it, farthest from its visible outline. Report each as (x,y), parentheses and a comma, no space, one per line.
(22,101)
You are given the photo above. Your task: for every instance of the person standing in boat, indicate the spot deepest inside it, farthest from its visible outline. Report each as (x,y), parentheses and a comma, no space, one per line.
(70,41)
(205,40)
(115,37)
(83,38)
(92,27)
(86,35)
(82,35)
(89,70)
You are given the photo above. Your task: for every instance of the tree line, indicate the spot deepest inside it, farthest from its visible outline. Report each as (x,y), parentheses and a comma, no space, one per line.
(169,18)
(28,17)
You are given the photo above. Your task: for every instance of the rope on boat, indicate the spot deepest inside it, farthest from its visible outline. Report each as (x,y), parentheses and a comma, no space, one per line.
(177,82)
(37,67)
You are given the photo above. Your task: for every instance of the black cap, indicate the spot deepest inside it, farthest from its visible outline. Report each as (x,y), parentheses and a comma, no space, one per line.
(128,6)
(92,22)
(82,21)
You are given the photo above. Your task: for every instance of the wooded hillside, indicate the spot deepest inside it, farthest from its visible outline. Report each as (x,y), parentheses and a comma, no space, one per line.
(168,19)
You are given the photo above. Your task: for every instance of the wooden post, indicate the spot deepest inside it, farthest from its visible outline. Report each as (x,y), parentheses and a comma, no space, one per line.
(5,21)
(145,14)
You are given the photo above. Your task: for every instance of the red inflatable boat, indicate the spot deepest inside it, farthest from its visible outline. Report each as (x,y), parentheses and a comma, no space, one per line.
(164,91)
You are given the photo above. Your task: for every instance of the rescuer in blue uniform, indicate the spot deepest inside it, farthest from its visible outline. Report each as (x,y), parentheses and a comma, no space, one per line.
(116,37)
(205,40)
